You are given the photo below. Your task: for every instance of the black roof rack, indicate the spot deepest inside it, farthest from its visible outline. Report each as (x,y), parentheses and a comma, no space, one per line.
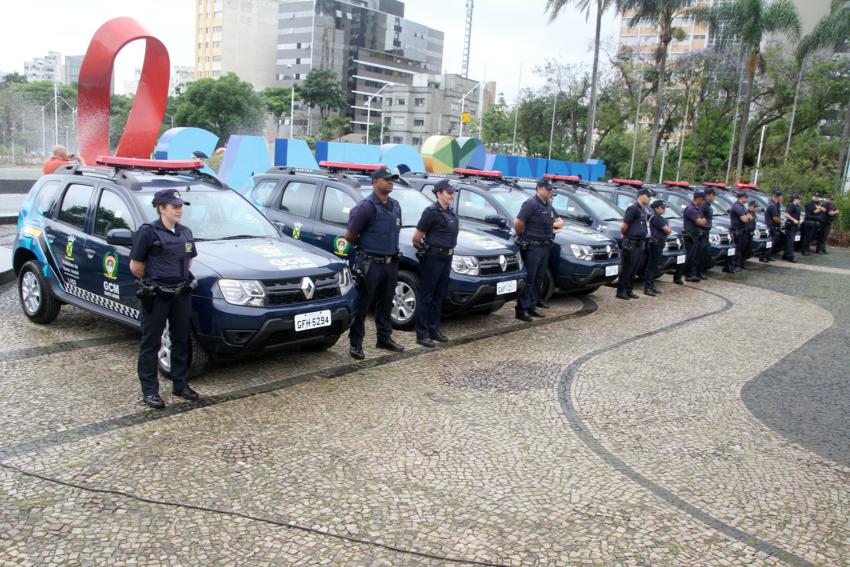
(129,176)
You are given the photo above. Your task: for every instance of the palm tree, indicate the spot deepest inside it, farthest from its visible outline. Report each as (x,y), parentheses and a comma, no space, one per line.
(832,32)
(661,14)
(553,8)
(749,21)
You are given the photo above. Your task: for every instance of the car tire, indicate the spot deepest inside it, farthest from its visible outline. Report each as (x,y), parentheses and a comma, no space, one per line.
(324,344)
(403,314)
(587,291)
(549,286)
(37,301)
(199,357)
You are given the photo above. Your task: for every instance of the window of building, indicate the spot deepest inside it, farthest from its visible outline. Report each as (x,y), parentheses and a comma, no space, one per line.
(388,101)
(298,198)
(417,141)
(112,212)
(397,140)
(401,102)
(75,205)
(336,207)
(419,122)
(398,120)
(419,102)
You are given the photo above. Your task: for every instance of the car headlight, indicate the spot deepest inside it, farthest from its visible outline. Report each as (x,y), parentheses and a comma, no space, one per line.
(243,292)
(714,238)
(581,251)
(467,265)
(345,281)
(519,260)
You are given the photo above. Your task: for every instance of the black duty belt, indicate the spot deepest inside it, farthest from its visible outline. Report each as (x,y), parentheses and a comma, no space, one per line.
(381,259)
(658,240)
(441,251)
(636,239)
(539,243)
(693,234)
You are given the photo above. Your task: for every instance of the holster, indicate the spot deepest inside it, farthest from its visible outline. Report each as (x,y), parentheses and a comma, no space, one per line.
(359,270)
(146,293)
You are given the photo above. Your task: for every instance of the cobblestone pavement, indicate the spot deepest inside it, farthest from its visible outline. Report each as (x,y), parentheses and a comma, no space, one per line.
(609,433)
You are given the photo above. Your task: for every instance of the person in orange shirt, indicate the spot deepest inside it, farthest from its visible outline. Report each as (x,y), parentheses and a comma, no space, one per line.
(59,158)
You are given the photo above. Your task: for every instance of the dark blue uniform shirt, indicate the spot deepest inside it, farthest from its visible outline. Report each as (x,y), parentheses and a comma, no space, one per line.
(811,215)
(793,211)
(656,227)
(735,213)
(829,207)
(751,226)
(708,213)
(166,254)
(539,218)
(771,211)
(439,225)
(636,217)
(692,214)
(376,225)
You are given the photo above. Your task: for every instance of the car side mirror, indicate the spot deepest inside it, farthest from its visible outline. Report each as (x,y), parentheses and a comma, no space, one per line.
(585,219)
(496,220)
(280,227)
(120,237)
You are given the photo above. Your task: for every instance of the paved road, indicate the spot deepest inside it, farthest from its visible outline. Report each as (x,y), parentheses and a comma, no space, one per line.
(634,433)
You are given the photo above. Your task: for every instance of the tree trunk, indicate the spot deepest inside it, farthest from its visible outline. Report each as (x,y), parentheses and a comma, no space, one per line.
(591,114)
(745,118)
(659,108)
(845,141)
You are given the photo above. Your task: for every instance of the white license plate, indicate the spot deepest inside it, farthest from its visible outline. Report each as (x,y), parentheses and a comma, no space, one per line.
(680,259)
(505,287)
(314,320)
(796,238)
(612,270)
(730,252)
(769,244)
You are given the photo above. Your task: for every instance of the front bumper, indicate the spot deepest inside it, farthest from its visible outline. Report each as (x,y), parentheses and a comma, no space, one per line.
(467,293)
(578,275)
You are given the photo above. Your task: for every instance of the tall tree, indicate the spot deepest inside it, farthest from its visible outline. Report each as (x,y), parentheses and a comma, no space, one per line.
(322,89)
(12,79)
(278,103)
(832,32)
(749,21)
(554,7)
(225,106)
(661,14)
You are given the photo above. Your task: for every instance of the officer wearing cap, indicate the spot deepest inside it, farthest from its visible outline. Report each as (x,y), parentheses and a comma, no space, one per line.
(373,226)
(659,229)
(814,215)
(708,213)
(773,220)
(634,230)
(435,239)
(535,228)
(161,258)
(830,212)
(792,225)
(694,223)
(739,217)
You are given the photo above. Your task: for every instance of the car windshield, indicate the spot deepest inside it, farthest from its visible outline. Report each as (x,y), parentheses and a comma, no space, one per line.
(215,215)
(412,204)
(601,208)
(725,202)
(511,200)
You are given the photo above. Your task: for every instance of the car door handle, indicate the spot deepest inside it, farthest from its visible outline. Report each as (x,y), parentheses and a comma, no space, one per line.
(90,253)
(320,234)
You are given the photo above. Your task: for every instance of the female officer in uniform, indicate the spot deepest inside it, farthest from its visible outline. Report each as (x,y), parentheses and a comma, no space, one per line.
(161,256)
(435,238)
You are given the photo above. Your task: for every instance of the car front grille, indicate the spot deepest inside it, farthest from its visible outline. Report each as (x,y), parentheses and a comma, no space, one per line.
(725,238)
(673,244)
(605,252)
(288,291)
(762,233)
(489,265)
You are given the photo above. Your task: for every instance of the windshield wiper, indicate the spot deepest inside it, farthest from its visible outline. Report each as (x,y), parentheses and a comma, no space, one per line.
(613,219)
(239,236)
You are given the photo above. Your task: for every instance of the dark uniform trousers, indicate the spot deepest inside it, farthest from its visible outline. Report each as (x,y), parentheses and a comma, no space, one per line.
(705,252)
(823,233)
(790,233)
(653,260)
(740,238)
(381,280)
(749,235)
(535,258)
(177,311)
(633,256)
(693,253)
(767,253)
(810,234)
(434,285)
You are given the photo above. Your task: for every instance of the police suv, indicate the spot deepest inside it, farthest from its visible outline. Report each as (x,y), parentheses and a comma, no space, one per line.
(257,290)
(313,206)
(581,259)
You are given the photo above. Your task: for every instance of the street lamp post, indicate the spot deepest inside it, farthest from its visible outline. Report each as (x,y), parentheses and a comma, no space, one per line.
(552,129)
(463,103)
(516,110)
(369,114)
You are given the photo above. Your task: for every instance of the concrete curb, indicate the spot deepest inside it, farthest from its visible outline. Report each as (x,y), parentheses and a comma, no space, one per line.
(9,219)
(7,277)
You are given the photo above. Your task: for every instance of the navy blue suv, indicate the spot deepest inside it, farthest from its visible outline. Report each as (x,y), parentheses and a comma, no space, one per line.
(313,206)
(257,290)
(582,259)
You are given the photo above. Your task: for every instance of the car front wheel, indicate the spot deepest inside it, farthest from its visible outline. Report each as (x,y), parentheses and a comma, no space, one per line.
(199,357)
(403,314)
(38,303)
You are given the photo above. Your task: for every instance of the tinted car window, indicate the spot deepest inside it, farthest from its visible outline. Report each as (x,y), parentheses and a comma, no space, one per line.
(412,204)
(263,192)
(602,207)
(567,207)
(474,206)
(298,198)
(75,205)
(336,206)
(511,200)
(623,201)
(44,197)
(112,212)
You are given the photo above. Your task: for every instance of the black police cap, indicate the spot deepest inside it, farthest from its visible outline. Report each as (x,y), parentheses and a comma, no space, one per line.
(168,197)
(383,173)
(740,194)
(709,191)
(699,194)
(544,183)
(777,193)
(658,203)
(645,191)
(443,185)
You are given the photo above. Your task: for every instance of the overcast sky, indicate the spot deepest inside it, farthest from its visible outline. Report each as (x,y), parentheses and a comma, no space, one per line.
(505,34)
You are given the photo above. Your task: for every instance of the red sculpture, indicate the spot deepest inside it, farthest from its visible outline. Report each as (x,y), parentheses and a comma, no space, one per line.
(148,110)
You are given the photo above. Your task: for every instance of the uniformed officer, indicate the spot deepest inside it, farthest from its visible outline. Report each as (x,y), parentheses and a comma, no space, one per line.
(752,210)
(708,213)
(814,216)
(830,212)
(535,228)
(162,257)
(694,222)
(739,217)
(635,229)
(792,225)
(435,239)
(659,229)
(773,221)
(373,226)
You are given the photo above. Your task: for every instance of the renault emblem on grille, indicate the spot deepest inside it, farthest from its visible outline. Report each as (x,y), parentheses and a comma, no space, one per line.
(503,263)
(308,287)
(609,250)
